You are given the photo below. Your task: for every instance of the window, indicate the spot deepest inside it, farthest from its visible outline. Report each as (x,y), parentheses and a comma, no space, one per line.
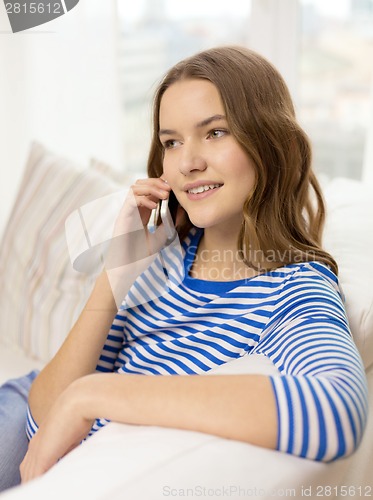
(154,35)
(324,49)
(335,82)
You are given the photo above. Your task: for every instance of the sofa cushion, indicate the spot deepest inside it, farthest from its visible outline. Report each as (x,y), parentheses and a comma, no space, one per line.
(14,363)
(348,237)
(41,295)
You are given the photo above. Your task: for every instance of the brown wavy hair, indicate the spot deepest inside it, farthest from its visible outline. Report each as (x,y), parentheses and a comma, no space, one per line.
(284,214)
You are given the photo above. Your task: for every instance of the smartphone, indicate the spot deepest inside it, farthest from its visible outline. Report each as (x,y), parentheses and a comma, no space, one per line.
(173,206)
(163,213)
(167,220)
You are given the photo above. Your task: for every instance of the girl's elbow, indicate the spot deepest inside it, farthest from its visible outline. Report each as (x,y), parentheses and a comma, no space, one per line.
(342,441)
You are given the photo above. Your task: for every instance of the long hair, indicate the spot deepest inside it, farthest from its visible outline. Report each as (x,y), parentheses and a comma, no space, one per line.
(284,214)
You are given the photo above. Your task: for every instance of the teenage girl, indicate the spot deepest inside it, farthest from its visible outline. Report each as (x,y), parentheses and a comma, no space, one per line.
(249,214)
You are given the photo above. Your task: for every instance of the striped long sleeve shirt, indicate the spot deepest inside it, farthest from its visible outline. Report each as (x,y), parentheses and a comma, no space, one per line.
(293,315)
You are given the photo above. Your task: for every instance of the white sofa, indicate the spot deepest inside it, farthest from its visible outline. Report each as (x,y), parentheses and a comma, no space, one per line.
(41,295)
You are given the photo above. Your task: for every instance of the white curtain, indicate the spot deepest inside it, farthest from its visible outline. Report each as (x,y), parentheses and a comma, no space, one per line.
(274,33)
(368,153)
(59,85)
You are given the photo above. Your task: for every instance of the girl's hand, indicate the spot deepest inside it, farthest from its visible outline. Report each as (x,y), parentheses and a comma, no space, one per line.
(134,215)
(147,193)
(61,431)
(132,247)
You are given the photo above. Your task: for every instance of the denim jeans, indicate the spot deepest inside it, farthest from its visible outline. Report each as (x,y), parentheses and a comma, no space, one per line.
(13,439)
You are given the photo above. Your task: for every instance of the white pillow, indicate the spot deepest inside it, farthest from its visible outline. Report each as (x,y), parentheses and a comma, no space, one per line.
(348,237)
(41,295)
(147,462)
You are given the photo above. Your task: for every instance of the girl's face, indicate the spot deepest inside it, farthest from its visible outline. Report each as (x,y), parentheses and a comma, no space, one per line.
(204,165)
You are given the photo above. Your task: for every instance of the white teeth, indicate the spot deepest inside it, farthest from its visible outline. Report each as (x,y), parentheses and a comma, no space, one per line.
(201,189)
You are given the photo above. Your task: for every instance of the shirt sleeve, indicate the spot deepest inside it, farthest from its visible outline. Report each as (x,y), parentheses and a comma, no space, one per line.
(113,344)
(321,392)
(31,425)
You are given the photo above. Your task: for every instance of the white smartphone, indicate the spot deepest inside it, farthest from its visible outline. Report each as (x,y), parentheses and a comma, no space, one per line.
(162,210)
(167,220)
(152,224)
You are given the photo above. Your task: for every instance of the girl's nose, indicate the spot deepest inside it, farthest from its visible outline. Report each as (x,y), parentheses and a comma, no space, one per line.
(191,159)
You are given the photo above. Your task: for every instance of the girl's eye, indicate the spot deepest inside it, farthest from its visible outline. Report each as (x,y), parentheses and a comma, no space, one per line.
(170,144)
(217,133)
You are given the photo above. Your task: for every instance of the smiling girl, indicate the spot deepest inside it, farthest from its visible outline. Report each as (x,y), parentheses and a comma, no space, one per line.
(227,147)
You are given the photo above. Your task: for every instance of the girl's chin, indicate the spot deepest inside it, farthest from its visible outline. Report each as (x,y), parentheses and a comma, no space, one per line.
(203,219)
(226,226)
(201,224)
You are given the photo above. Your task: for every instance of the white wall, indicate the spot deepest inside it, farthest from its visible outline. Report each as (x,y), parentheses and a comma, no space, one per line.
(274,33)
(368,153)
(58,85)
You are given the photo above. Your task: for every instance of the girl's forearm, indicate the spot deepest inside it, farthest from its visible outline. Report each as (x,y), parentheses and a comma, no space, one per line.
(79,353)
(240,407)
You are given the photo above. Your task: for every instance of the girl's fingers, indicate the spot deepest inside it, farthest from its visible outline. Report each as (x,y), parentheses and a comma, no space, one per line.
(147,193)
(155,181)
(144,196)
(151,185)
(153,195)
(150,190)
(143,202)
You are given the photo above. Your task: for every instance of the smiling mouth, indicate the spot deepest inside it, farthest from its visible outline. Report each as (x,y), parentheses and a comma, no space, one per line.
(202,189)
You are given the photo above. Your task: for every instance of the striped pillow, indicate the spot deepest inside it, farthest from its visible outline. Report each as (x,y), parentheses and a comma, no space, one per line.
(41,295)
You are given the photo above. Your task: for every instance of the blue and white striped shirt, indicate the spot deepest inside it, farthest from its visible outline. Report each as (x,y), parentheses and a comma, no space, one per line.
(293,315)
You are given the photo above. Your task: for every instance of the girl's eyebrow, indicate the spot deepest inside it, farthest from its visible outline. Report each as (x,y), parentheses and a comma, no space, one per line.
(201,124)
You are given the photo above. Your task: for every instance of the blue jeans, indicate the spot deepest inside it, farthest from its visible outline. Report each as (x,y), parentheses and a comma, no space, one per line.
(13,439)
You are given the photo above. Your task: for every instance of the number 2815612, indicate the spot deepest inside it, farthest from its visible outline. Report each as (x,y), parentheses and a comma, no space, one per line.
(34,8)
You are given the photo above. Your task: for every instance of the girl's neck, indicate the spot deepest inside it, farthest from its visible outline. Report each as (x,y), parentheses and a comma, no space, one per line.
(213,240)
(218,258)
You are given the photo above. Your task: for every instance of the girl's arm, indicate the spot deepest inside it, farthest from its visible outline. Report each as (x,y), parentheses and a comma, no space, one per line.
(315,408)
(240,407)
(79,354)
